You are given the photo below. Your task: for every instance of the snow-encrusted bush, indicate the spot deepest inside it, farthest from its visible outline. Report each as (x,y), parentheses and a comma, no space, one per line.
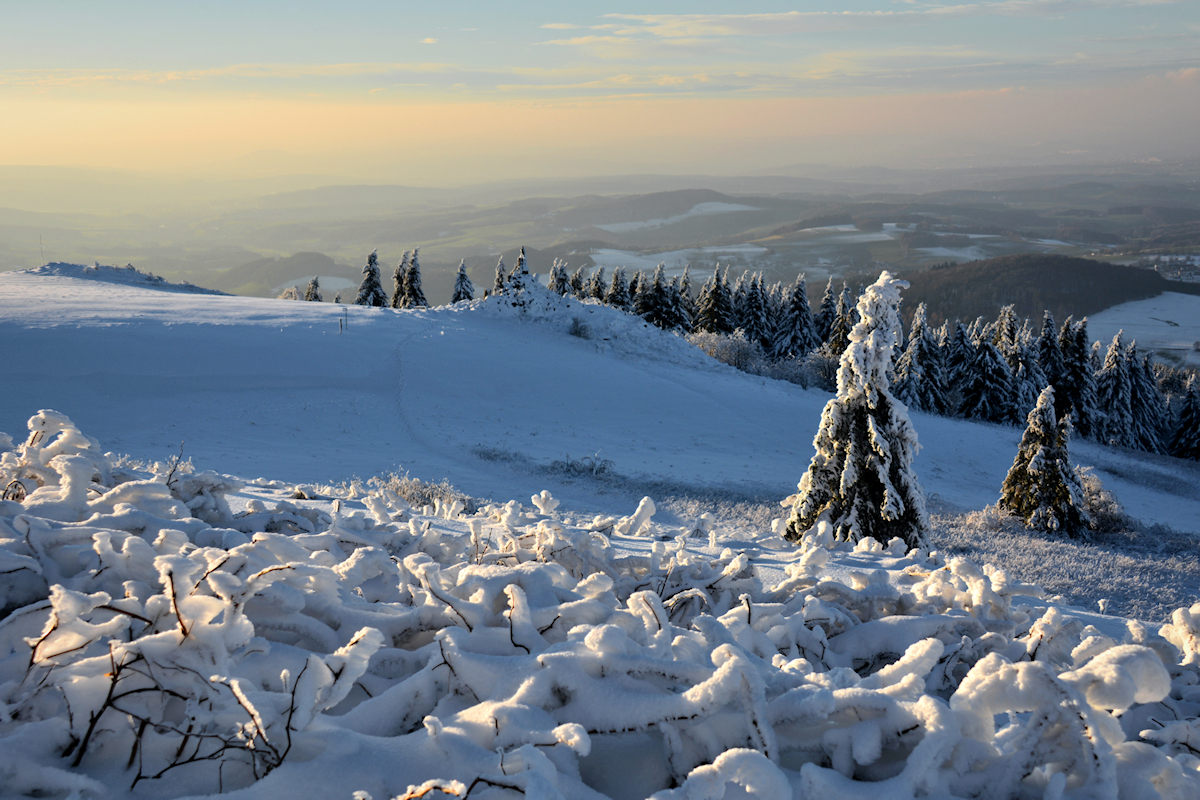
(405,653)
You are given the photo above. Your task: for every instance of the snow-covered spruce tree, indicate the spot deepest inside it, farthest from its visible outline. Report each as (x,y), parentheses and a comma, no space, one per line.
(312,292)
(1006,337)
(635,289)
(501,277)
(618,290)
(986,388)
(1041,487)
(843,322)
(959,355)
(463,288)
(1049,353)
(1146,405)
(559,282)
(1113,396)
(290,293)
(414,295)
(596,287)
(827,311)
(755,320)
(1185,440)
(657,303)
(370,291)
(578,280)
(714,308)
(1078,379)
(678,313)
(399,281)
(861,479)
(739,300)
(518,281)
(686,295)
(797,334)
(920,379)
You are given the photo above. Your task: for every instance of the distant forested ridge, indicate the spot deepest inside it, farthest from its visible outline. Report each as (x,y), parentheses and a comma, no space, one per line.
(1032,283)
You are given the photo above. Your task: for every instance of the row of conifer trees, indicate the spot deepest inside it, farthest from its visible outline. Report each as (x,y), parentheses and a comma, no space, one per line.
(991,371)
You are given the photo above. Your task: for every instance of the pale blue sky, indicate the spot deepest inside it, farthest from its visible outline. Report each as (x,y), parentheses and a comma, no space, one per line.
(392,54)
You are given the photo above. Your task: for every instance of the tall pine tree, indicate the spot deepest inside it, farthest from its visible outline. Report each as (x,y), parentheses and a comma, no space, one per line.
(312,292)
(370,291)
(860,479)
(414,295)
(920,377)
(986,388)
(1185,440)
(400,282)
(464,290)
(797,334)
(827,311)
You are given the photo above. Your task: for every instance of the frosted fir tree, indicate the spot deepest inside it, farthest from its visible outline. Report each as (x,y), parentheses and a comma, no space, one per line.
(290,293)
(1041,487)
(1049,353)
(464,290)
(678,316)
(1185,440)
(1113,397)
(578,280)
(861,479)
(501,277)
(714,308)
(370,291)
(560,282)
(920,379)
(739,300)
(1146,405)
(399,281)
(518,281)
(755,319)
(618,290)
(685,293)
(312,292)
(986,389)
(596,288)
(796,334)
(1006,337)
(1078,380)
(843,322)
(959,355)
(827,311)
(635,288)
(414,295)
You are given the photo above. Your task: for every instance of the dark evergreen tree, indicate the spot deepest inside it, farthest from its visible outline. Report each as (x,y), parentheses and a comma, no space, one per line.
(1028,381)
(1041,487)
(678,317)
(312,292)
(755,322)
(1113,397)
(960,354)
(714,308)
(739,301)
(796,334)
(1049,353)
(618,291)
(414,295)
(370,291)
(686,296)
(578,282)
(518,281)
(635,288)
(1005,335)
(1085,414)
(986,388)
(860,479)
(1185,439)
(843,323)
(1146,405)
(463,288)
(920,377)
(400,282)
(559,282)
(827,312)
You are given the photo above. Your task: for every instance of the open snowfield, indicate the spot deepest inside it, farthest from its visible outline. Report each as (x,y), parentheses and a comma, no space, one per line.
(566,647)
(1168,325)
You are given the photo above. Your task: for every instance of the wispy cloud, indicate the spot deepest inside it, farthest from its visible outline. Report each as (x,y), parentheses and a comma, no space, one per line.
(429,40)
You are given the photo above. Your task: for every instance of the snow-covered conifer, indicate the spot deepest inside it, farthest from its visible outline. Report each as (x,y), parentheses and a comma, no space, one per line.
(959,356)
(400,281)
(796,334)
(312,292)
(827,311)
(843,322)
(501,277)
(290,293)
(714,308)
(518,281)
(1185,439)
(755,321)
(618,290)
(686,295)
(1006,337)
(739,300)
(463,288)
(578,281)
(560,282)
(1041,487)
(920,377)
(414,295)
(986,386)
(635,288)
(860,479)
(1078,379)
(1113,396)
(1028,380)
(370,291)
(596,287)
(1146,406)
(1049,353)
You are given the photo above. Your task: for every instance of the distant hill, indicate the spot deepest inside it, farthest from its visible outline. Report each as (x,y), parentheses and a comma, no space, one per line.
(1032,282)
(262,277)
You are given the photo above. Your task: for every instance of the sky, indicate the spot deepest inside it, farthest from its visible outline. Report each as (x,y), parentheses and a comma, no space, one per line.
(456,92)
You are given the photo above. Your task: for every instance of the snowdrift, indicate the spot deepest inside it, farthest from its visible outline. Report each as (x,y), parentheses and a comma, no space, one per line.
(182,634)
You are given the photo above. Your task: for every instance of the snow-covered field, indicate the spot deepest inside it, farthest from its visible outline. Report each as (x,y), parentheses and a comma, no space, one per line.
(556,646)
(1168,325)
(699,210)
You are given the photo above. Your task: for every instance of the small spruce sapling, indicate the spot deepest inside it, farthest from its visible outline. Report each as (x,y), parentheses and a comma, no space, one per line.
(464,290)
(1041,487)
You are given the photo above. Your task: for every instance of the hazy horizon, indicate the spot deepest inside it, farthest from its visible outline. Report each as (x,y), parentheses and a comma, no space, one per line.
(451,96)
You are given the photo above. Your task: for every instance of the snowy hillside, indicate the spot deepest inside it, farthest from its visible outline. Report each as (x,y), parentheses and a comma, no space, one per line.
(214,633)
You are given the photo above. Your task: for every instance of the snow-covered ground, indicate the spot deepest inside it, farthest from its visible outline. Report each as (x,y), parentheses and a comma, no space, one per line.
(1168,325)
(702,259)
(525,645)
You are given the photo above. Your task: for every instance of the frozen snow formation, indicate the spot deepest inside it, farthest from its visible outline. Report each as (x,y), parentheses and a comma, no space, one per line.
(154,642)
